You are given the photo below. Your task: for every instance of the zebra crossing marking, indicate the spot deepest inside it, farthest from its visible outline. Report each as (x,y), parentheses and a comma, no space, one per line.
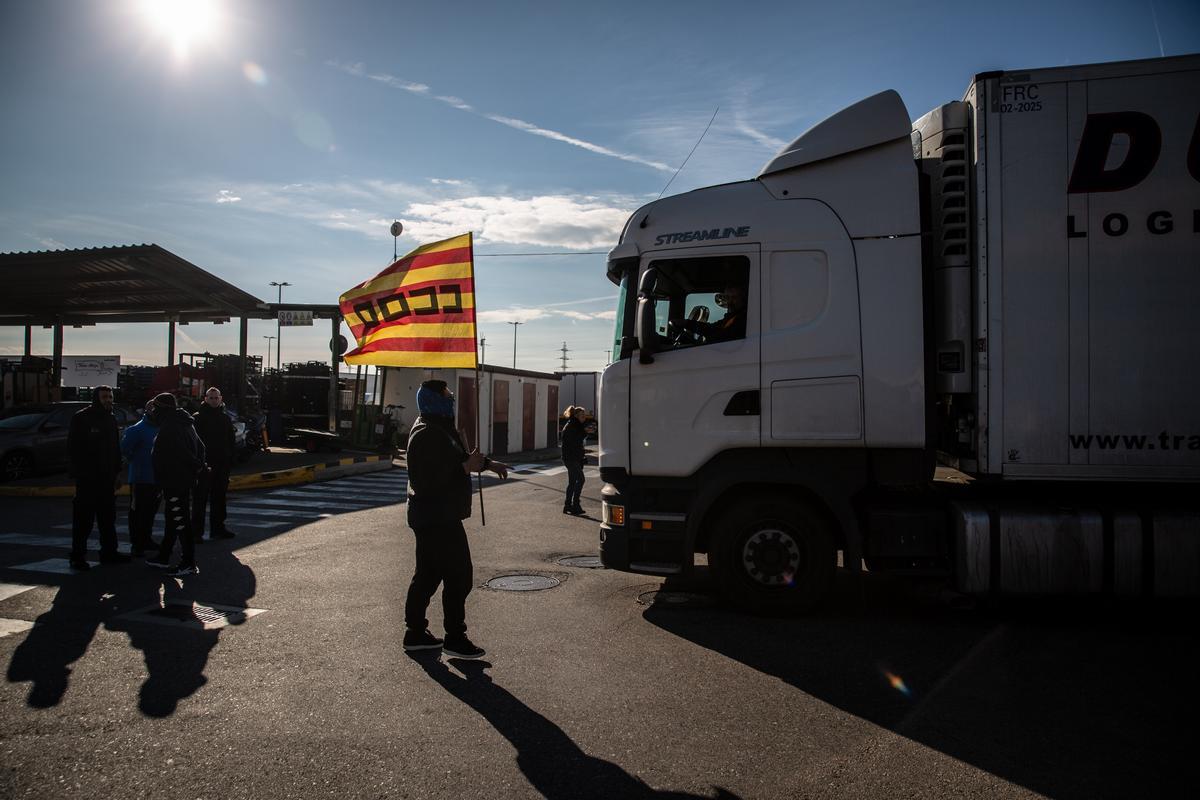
(10,626)
(8,590)
(58,566)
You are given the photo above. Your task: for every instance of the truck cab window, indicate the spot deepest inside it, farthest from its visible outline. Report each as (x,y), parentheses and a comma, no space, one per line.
(701,301)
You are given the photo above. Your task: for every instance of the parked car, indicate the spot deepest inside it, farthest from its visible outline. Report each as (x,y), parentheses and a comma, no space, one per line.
(33,439)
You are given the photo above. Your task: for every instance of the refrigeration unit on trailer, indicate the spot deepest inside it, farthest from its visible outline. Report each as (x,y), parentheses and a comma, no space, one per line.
(1009,286)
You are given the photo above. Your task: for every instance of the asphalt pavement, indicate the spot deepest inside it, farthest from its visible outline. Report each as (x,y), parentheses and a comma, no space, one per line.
(278,672)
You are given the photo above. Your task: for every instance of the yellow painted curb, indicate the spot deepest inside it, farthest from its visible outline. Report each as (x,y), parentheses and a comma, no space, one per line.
(257,480)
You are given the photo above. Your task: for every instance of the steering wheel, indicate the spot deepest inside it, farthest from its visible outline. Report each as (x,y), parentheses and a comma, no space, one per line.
(680,333)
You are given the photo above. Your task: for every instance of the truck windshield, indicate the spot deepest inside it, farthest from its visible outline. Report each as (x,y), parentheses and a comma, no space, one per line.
(619,322)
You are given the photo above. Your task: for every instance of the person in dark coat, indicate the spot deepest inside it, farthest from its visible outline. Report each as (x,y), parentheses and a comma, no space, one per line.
(137,445)
(439,499)
(573,434)
(215,429)
(95,452)
(178,457)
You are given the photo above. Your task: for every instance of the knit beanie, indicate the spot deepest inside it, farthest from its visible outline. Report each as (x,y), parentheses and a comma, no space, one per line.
(432,403)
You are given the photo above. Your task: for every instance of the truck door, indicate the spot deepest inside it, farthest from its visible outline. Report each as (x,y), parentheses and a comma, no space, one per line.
(700,394)
(812,392)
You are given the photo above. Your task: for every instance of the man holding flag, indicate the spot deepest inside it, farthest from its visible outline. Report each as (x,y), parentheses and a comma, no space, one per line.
(420,312)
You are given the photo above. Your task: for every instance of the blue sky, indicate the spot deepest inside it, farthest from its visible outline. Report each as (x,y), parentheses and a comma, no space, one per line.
(281,144)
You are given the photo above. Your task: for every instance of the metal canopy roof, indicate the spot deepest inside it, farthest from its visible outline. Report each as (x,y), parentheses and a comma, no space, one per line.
(133,283)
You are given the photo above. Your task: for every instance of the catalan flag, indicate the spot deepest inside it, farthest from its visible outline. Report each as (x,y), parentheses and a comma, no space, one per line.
(419,312)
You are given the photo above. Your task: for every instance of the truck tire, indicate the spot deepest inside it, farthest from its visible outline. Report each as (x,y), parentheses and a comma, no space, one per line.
(772,556)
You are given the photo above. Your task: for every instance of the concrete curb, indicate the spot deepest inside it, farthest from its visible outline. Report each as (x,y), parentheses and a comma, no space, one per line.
(351,465)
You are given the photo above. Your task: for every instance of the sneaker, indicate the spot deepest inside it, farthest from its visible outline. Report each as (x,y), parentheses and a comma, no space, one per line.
(578,511)
(421,640)
(80,566)
(462,647)
(114,558)
(157,562)
(567,510)
(184,569)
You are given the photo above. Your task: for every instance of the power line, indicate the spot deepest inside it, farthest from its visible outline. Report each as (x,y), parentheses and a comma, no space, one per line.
(526,255)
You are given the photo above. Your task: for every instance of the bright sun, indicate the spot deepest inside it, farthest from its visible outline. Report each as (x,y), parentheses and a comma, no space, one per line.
(184,22)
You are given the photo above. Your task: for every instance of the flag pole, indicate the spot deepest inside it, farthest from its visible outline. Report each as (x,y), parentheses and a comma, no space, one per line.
(475,329)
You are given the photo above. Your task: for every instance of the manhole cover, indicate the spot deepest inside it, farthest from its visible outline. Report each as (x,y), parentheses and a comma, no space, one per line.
(522,583)
(583,562)
(674,599)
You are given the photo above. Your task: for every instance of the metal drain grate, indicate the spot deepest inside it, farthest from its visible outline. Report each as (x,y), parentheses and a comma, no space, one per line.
(675,599)
(582,562)
(199,616)
(522,583)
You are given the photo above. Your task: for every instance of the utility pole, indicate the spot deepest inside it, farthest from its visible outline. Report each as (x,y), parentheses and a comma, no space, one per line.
(483,347)
(564,356)
(278,326)
(267,363)
(515,324)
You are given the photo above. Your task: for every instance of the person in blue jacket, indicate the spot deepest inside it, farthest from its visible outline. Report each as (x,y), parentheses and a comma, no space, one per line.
(144,496)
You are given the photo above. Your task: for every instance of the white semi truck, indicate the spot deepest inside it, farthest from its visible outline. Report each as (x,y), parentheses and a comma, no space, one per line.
(1009,286)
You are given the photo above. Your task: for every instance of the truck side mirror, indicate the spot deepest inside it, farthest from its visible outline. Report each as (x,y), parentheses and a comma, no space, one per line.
(647,337)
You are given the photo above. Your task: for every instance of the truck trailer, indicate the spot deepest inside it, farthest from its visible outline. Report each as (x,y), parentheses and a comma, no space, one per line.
(964,348)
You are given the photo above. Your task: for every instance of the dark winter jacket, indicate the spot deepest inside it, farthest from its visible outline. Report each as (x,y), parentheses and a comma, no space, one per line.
(94,444)
(215,429)
(439,490)
(572,440)
(178,453)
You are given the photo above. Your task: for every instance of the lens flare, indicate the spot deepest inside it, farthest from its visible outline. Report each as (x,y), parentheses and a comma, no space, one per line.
(254,73)
(897,683)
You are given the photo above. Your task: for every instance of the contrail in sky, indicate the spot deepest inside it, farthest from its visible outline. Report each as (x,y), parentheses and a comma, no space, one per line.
(360,71)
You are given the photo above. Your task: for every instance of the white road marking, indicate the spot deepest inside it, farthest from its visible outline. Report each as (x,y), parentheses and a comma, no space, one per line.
(8,590)
(11,626)
(59,566)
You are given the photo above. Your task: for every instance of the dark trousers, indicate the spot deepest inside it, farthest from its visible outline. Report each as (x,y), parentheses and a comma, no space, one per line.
(95,502)
(179,525)
(444,557)
(143,506)
(211,490)
(574,481)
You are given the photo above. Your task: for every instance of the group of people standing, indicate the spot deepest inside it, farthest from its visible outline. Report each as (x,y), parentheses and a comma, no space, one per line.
(176,458)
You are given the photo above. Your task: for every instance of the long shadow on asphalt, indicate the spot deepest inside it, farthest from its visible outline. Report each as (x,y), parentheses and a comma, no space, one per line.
(555,766)
(175,656)
(1069,700)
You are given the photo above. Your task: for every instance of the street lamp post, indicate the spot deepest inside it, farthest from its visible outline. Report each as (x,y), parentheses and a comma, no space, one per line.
(483,349)
(278,324)
(267,365)
(515,324)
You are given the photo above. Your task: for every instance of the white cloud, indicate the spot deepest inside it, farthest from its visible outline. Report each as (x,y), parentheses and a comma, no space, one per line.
(548,220)
(512,315)
(359,70)
(445,182)
(526,314)
(368,207)
(51,244)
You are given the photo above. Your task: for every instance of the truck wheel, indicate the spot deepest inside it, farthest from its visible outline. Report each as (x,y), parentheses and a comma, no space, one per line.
(772,556)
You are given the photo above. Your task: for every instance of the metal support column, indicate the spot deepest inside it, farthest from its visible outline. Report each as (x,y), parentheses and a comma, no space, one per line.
(243,335)
(56,380)
(334,361)
(28,340)
(170,343)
